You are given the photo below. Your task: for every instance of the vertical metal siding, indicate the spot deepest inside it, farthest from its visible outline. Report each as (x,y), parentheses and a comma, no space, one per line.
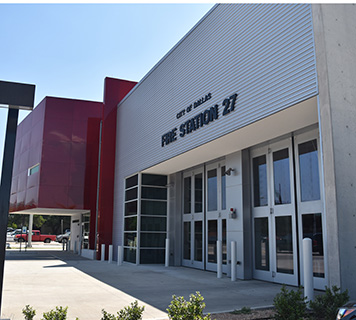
(263,52)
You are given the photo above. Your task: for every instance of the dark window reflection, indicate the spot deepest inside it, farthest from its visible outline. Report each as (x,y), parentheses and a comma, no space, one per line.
(154,180)
(212,190)
(157,240)
(130,208)
(130,255)
(153,223)
(198,241)
(198,181)
(224,243)
(223,188)
(132,181)
(131,194)
(312,229)
(131,224)
(309,171)
(152,256)
(212,238)
(155,208)
(130,239)
(186,253)
(187,194)
(154,193)
(284,244)
(260,181)
(281,176)
(261,244)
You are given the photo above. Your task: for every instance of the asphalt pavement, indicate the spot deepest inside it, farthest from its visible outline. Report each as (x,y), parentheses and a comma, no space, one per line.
(45,279)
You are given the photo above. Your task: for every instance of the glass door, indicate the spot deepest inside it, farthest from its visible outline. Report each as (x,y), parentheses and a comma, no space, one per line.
(309,202)
(216,214)
(193,218)
(275,253)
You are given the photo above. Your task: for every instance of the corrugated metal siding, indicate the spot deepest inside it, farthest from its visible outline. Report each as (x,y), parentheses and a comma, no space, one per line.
(263,52)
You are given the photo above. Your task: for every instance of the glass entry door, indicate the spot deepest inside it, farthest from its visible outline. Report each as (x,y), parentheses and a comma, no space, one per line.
(193,218)
(216,214)
(310,205)
(204,216)
(275,253)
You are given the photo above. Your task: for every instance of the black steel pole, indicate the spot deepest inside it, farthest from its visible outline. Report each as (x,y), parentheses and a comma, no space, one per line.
(5,187)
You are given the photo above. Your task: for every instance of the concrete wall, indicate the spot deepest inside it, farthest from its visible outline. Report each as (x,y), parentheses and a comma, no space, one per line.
(335,42)
(234,200)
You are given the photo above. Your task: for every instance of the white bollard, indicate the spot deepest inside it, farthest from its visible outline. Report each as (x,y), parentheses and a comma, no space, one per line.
(167,253)
(233,260)
(110,254)
(30,226)
(308,269)
(219,258)
(103,252)
(120,255)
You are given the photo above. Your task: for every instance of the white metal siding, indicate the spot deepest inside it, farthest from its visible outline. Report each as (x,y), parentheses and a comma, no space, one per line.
(263,52)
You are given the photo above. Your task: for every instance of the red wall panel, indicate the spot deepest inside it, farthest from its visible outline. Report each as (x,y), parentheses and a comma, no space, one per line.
(62,135)
(114,91)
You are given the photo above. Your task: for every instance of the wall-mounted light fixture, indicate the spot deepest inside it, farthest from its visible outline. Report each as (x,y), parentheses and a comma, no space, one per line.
(228,171)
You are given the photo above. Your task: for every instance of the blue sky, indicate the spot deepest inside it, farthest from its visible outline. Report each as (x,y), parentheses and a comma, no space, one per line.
(67,50)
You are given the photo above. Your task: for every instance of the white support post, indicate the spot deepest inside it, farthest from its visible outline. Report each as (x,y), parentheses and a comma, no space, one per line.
(308,269)
(219,258)
(30,226)
(103,252)
(110,254)
(167,253)
(233,260)
(120,255)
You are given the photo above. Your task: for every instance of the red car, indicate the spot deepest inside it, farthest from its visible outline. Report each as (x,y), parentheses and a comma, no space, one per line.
(36,236)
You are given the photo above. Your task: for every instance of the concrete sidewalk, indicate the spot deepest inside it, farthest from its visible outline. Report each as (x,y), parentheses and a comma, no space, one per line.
(45,279)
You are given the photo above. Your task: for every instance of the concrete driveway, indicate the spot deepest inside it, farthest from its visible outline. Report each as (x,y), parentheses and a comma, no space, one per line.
(45,279)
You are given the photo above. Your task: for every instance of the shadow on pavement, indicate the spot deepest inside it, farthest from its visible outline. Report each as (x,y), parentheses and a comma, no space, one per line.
(155,285)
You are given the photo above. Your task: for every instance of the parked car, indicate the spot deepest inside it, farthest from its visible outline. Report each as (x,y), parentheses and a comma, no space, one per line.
(11,235)
(36,236)
(347,312)
(63,237)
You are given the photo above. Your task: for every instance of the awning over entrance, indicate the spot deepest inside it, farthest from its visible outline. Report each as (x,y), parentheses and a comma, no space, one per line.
(75,214)
(52,211)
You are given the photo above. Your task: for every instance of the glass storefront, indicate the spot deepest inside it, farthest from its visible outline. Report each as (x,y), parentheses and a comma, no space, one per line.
(145,223)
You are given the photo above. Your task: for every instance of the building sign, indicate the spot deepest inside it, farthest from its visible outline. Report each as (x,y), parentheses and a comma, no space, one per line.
(199,120)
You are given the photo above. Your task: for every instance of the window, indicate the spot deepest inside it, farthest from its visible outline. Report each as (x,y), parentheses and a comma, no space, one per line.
(145,223)
(153,218)
(260,181)
(34,169)
(131,213)
(309,171)
(212,190)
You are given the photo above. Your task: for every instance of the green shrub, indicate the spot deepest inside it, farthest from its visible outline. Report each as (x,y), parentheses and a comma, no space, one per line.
(107,316)
(28,312)
(59,314)
(325,306)
(290,305)
(180,309)
(133,312)
(243,310)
